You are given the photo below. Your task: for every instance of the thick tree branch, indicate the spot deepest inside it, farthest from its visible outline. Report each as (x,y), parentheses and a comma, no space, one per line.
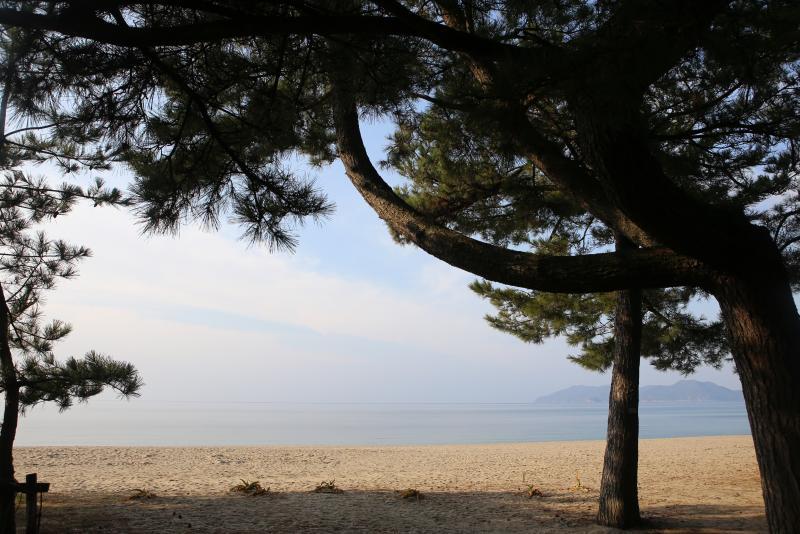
(82,23)
(615,142)
(642,40)
(565,274)
(450,34)
(571,177)
(639,44)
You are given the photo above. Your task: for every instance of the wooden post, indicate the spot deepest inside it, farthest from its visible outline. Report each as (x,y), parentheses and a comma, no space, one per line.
(32,526)
(31,488)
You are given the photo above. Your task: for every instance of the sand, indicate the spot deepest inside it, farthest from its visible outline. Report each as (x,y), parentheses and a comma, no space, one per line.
(707,484)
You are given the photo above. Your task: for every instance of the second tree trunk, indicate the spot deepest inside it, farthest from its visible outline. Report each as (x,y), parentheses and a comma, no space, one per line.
(619,497)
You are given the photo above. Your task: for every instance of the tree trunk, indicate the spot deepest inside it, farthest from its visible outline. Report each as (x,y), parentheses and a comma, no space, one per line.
(8,430)
(619,499)
(8,372)
(765,340)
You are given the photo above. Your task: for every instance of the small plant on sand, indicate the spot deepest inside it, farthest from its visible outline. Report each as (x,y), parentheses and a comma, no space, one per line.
(328,487)
(411,494)
(579,487)
(142,494)
(253,488)
(532,491)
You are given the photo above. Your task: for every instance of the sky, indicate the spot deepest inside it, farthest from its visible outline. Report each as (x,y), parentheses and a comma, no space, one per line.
(350,316)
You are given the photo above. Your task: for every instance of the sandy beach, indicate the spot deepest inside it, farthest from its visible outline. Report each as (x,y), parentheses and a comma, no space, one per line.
(707,484)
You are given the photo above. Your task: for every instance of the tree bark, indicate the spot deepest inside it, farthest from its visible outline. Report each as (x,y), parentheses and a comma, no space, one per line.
(752,287)
(650,267)
(8,430)
(765,337)
(749,281)
(8,372)
(619,499)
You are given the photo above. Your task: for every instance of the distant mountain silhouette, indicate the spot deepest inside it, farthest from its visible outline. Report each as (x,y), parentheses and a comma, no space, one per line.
(683,390)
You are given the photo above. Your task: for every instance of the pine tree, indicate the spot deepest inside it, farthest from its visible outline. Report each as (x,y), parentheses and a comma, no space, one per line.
(30,265)
(674,122)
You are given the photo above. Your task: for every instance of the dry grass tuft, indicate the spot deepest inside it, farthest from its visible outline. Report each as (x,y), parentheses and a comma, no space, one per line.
(327,487)
(579,487)
(532,491)
(253,488)
(411,494)
(141,494)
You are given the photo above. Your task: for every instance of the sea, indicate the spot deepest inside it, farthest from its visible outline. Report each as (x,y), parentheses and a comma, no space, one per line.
(158,423)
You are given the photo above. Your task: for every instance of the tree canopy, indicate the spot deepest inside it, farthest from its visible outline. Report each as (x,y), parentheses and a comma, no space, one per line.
(673,123)
(206,101)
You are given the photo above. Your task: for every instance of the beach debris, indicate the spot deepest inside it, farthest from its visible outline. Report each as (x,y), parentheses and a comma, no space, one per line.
(253,488)
(411,494)
(140,494)
(532,491)
(327,487)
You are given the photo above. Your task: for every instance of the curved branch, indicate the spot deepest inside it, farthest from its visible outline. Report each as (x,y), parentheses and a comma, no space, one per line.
(652,267)
(78,22)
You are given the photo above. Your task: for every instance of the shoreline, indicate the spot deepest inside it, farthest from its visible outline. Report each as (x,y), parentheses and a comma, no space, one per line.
(700,484)
(368,446)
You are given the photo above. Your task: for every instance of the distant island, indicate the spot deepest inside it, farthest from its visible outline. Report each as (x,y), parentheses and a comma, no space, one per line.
(683,390)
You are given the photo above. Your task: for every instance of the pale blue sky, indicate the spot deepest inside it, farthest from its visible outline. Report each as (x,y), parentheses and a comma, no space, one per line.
(349,317)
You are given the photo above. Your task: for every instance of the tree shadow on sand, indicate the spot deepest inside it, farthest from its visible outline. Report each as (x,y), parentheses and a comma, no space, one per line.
(373,511)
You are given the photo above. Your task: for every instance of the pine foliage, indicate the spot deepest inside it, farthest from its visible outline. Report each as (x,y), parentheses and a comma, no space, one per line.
(31,263)
(210,126)
(673,338)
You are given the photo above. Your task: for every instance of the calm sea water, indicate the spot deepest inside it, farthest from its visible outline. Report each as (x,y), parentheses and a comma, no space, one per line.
(175,423)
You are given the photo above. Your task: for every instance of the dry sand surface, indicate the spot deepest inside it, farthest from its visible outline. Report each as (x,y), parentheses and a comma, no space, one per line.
(707,484)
